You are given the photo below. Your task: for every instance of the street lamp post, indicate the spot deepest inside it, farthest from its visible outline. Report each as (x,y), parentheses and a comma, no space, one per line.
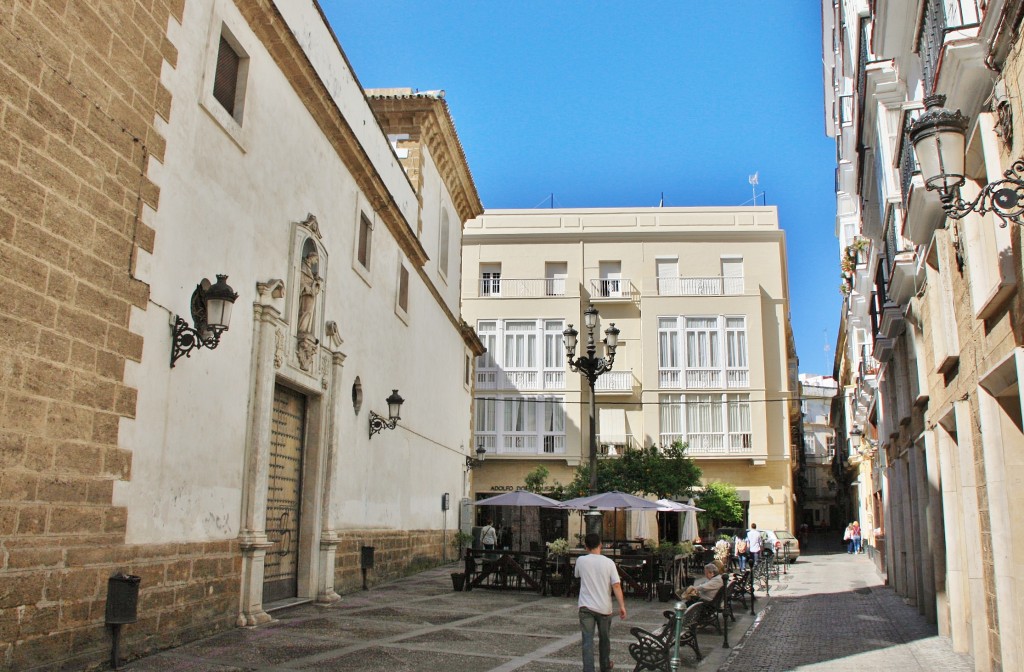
(590,367)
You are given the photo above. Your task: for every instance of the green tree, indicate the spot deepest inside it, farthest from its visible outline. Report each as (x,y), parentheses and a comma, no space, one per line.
(536,478)
(663,472)
(721,506)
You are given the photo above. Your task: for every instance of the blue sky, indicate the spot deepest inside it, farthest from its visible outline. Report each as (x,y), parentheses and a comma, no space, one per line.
(610,104)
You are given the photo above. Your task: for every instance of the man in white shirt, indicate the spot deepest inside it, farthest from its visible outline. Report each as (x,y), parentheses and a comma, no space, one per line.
(599,577)
(754,543)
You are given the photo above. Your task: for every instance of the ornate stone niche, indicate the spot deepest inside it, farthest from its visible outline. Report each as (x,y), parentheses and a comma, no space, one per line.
(305,310)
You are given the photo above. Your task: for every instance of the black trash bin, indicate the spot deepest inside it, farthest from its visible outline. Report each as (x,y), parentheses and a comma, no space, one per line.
(122,599)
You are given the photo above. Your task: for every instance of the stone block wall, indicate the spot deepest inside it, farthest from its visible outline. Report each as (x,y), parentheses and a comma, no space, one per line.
(80,100)
(397,553)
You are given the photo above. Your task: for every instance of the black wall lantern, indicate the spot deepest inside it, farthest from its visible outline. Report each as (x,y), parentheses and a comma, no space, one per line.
(378,423)
(211,314)
(471,462)
(939,139)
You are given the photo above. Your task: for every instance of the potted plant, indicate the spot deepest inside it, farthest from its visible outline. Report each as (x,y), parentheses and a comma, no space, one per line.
(461,541)
(666,552)
(558,549)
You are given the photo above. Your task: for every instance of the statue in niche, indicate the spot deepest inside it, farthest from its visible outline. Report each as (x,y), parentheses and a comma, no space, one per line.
(309,287)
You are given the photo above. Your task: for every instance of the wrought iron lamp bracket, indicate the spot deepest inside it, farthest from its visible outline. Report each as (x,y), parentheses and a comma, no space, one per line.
(379,423)
(186,339)
(1004,198)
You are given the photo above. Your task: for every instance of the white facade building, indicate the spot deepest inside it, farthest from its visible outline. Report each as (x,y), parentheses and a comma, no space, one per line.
(700,297)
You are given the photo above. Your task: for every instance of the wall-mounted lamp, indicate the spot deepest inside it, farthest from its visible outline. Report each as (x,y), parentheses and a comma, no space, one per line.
(378,423)
(211,314)
(471,462)
(939,139)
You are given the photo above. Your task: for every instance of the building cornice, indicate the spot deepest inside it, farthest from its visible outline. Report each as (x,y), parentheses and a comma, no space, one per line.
(427,120)
(270,27)
(646,234)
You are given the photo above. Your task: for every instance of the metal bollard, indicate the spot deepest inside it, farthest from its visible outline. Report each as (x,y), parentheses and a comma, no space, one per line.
(674,663)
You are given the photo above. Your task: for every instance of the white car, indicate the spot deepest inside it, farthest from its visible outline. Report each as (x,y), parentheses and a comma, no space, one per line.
(788,547)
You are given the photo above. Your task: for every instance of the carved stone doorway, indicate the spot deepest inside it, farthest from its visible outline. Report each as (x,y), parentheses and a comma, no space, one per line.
(284,495)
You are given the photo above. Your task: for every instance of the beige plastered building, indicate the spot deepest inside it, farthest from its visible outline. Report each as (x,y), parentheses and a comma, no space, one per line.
(701,300)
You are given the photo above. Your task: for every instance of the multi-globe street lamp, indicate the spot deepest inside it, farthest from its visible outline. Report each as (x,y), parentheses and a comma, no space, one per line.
(590,367)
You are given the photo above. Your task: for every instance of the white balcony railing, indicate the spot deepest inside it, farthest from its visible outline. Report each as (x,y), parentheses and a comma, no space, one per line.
(611,288)
(614,381)
(737,378)
(670,379)
(705,444)
(519,444)
(616,444)
(554,444)
(735,443)
(710,286)
(519,380)
(512,288)
(554,380)
(702,379)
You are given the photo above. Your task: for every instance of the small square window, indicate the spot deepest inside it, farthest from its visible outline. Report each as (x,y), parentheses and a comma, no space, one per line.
(365,232)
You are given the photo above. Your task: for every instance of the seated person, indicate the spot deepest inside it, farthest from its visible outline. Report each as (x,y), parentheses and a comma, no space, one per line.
(705,591)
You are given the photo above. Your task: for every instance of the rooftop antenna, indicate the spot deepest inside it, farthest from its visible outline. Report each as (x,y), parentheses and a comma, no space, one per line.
(552,200)
(661,203)
(752,179)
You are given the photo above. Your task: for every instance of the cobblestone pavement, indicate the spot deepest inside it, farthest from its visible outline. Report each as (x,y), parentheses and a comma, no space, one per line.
(419,623)
(835,614)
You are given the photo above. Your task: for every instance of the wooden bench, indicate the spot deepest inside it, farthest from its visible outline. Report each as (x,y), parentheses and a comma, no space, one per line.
(653,650)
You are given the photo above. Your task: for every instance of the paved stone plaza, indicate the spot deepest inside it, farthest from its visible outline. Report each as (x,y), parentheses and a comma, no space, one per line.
(830,612)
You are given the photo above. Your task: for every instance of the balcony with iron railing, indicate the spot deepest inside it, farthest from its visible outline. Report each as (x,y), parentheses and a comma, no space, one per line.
(523,288)
(939,19)
(614,382)
(697,286)
(906,273)
(611,289)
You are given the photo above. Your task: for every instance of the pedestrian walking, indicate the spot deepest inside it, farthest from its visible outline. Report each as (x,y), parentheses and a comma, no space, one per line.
(848,538)
(488,536)
(599,578)
(739,545)
(754,543)
(855,536)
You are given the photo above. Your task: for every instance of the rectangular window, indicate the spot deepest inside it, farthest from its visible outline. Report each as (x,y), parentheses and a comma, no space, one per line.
(554,344)
(732,275)
(365,233)
(443,245)
(488,333)
(555,273)
(520,345)
(468,372)
(740,438)
(703,353)
(704,430)
(403,289)
(668,353)
(611,278)
(225,81)
(490,279)
(668,277)
(671,419)
(553,428)
(736,342)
